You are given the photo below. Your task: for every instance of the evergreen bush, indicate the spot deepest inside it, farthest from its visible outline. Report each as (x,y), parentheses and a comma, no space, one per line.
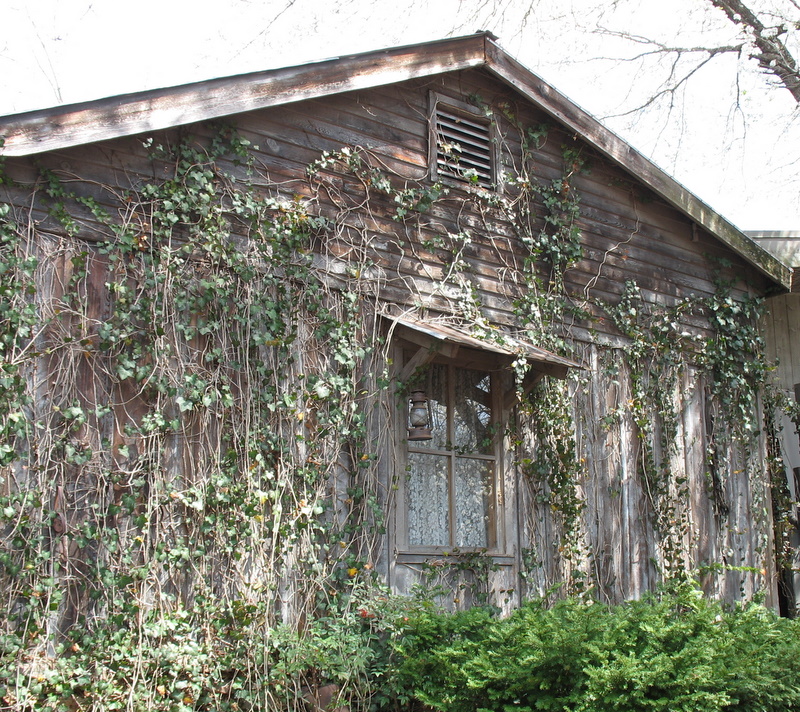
(676,651)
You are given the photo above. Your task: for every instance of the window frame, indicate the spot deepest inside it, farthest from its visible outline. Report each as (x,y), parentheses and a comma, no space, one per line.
(496,528)
(473,114)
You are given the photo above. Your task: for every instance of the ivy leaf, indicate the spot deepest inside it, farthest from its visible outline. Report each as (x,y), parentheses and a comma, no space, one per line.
(183,404)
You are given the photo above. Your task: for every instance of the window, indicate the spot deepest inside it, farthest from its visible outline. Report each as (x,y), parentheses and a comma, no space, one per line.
(450,487)
(453,491)
(461,144)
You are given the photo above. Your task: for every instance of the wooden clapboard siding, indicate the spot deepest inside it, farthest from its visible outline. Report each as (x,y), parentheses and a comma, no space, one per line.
(646,242)
(623,240)
(431,63)
(630,232)
(782,335)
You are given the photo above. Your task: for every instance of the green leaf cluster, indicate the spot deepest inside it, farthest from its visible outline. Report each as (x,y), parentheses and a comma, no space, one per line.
(219,656)
(672,652)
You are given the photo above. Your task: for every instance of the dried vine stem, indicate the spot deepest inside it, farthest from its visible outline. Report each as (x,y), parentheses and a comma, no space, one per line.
(193,500)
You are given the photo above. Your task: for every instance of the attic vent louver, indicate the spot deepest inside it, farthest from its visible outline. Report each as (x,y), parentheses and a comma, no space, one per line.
(463,143)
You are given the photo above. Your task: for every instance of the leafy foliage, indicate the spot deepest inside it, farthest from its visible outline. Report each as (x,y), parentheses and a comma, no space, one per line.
(675,651)
(149,545)
(189,514)
(215,657)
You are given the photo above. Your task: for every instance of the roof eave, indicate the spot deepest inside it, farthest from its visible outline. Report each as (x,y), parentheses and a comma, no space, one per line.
(114,117)
(629,159)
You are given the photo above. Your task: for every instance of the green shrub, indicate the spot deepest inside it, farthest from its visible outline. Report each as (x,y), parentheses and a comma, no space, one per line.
(673,652)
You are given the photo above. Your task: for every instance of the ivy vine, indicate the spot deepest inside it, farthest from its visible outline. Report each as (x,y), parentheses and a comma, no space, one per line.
(191,510)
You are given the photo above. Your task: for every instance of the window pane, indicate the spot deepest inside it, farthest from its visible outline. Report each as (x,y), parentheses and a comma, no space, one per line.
(472,498)
(427,501)
(435,387)
(472,416)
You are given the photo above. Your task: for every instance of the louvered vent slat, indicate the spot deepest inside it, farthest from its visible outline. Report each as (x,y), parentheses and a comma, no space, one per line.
(464,148)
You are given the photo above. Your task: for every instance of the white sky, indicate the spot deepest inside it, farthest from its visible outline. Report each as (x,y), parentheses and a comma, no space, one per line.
(742,161)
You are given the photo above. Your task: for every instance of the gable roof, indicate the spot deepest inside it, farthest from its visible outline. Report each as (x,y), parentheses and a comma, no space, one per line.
(72,125)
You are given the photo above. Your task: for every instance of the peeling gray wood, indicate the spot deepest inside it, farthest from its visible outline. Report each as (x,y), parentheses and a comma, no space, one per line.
(617,529)
(53,129)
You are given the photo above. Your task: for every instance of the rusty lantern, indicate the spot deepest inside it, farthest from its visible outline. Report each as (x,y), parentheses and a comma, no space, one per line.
(419,417)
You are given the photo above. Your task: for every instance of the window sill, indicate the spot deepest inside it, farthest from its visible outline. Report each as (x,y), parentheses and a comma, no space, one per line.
(446,555)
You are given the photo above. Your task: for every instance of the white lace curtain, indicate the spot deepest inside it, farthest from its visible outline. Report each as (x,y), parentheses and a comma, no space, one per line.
(448,488)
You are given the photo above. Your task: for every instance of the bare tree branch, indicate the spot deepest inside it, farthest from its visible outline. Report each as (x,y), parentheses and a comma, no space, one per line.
(660,48)
(264,30)
(48,72)
(670,87)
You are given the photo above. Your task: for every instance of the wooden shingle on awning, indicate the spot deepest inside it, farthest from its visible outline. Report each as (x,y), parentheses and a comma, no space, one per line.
(442,339)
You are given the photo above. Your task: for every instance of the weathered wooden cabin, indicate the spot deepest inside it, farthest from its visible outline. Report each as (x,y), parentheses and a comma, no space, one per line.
(409,314)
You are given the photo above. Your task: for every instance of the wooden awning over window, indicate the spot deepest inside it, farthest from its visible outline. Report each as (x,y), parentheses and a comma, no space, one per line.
(439,339)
